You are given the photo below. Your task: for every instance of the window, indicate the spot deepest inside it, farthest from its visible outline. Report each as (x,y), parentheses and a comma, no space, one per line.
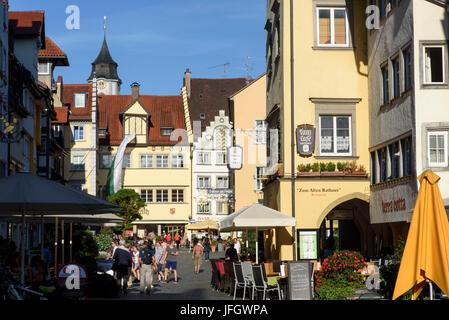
(203,158)
(222,182)
(373,168)
(162,161)
(80,100)
(203,182)
(385,85)
(407,69)
(406,146)
(222,207)
(43,68)
(383,164)
(335,135)
(78,133)
(221,158)
(204,207)
(396,70)
(106,160)
(78,162)
(434,65)
(147,195)
(332,27)
(395,157)
(261,132)
(177,195)
(126,161)
(166,131)
(437,148)
(161,196)
(260,171)
(56,131)
(202,115)
(146,161)
(383,8)
(177,161)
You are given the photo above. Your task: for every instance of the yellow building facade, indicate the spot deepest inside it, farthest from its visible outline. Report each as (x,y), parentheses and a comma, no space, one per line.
(248,105)
(326,85)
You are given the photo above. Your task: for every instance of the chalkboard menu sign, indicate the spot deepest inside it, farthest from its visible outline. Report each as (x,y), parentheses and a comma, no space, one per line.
(300,280)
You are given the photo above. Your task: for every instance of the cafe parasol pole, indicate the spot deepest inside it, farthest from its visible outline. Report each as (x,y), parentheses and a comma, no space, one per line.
(22,273)
(71,242)
(56,246)
(42,236)
(62,242)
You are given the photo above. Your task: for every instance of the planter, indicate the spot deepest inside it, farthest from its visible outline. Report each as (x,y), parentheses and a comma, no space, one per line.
(357,173)
(332,173)
(308,174)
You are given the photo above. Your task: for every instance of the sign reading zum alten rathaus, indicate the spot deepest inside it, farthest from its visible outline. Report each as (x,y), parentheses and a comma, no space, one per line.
(305,139)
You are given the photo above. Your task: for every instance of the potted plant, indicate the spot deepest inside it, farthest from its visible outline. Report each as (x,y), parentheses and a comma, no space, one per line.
(360,170)
(308,170)
(330,170)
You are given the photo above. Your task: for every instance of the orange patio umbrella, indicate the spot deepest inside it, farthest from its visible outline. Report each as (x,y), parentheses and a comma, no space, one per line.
(426,253)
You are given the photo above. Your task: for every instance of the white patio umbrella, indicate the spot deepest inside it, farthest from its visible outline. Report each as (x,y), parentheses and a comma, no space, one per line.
(256,217)
(26,194)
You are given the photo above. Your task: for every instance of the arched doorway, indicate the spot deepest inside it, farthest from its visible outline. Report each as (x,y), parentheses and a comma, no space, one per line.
(347,226)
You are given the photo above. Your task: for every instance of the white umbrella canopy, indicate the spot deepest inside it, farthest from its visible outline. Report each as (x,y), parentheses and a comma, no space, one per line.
(258,217)
(33,195)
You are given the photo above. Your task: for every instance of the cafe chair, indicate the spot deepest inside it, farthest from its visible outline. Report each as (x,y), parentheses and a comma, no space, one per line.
(248,273)
(261,285)
(239,279)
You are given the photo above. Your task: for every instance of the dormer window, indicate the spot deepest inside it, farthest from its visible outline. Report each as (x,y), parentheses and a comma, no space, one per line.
(166,131)
(80,100)
(202,116)
(43,68)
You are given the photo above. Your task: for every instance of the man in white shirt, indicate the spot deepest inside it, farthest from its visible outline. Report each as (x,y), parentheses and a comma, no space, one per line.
(237,246)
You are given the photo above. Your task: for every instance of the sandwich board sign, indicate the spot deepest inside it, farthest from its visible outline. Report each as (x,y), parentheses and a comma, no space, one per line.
(300,280)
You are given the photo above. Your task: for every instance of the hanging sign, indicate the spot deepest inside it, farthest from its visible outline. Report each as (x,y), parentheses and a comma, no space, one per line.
(305,139)
(235,158)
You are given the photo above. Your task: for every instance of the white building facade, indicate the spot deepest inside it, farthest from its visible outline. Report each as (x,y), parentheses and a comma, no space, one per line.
(212,186)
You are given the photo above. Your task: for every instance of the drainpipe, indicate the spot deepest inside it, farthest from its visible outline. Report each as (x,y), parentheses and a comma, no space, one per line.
(292,107)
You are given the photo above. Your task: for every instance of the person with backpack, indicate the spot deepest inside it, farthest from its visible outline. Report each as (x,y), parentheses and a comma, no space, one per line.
(122,263)
(147,263)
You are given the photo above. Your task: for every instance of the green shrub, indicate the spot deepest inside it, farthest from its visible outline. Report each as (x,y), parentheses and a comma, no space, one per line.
(103,241)
(331,167)
(315,167)
(302,168)
(323,166)
(330,289)
(340,166)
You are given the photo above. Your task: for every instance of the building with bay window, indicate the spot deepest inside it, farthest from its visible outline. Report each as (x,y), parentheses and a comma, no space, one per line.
(320,101)
(408,99)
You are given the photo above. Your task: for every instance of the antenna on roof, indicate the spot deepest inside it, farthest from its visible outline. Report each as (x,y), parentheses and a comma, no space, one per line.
(249,67)
(224,65)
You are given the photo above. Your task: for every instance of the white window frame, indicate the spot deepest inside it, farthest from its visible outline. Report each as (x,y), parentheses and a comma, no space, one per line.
(175,194)
(126,163)
(332,16)
(145,195)
(56,131)
(164,131)
(224,179)
(221,158)
(74,163)
(335,153)
(260,128)
(80,130)
(74,100)
(162,161)
(225,206)
(47,68)
(258,178)
(147,157)
(445,135)
(200,157)
(443,47)
(201,182)
(162,192)
(110,159)
(177,161)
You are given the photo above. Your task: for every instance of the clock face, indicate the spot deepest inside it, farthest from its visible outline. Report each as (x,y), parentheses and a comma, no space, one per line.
(101,84)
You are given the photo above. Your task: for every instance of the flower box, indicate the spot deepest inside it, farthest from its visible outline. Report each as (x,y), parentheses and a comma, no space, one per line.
(308,174)
(332,173)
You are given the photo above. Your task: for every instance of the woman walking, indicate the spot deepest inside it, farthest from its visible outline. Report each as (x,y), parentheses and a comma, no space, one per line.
(197,255)
(136,264)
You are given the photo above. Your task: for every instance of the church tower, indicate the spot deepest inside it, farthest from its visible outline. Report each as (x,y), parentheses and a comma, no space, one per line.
(104,68)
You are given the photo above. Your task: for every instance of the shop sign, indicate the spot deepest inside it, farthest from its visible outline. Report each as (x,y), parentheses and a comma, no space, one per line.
(305,139)
(220,191)
(308,244)
(235,158)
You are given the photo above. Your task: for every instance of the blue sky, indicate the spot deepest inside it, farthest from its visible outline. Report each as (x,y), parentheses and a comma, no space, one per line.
(154,41)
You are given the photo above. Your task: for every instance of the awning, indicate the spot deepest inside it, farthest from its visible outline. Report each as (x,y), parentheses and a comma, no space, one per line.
(161,222)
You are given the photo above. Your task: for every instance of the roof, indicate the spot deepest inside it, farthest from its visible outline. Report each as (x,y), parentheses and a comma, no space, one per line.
(62,115)
(53,51)
(27,23)
(68,96)
(252,81)
(209,96)
(104,66)
(165,111)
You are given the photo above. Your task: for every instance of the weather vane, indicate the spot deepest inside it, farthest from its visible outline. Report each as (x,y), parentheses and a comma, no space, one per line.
(105,23)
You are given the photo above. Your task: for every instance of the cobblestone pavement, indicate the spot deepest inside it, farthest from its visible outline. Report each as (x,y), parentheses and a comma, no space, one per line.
(190,286)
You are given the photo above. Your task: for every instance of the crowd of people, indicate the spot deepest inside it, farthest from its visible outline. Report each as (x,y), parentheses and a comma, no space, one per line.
(156,258)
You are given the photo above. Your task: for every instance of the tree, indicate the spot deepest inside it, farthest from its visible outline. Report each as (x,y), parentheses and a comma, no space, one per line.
(131,203)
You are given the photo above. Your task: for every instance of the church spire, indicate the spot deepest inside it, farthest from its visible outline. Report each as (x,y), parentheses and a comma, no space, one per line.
(104,66)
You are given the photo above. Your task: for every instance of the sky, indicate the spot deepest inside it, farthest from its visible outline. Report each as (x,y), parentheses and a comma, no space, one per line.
(155,41)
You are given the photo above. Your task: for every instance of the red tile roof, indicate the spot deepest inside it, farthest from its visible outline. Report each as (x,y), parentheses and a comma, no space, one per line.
(68,97)
(164,110)
(27,22)
(62,115)
(51,50)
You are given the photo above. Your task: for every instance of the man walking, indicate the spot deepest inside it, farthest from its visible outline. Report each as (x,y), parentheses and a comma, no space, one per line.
(122,263)
(207,249)
(159,260)
(147,265)
(171,256)
(237,247)
(178,240)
